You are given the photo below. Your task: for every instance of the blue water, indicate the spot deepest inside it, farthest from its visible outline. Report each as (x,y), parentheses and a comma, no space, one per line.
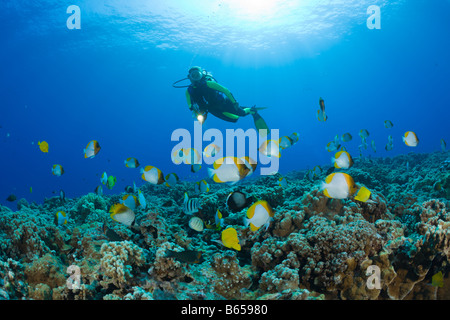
(112,80)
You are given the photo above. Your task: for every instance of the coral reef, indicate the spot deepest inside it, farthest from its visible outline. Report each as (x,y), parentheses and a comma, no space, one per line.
(314,248)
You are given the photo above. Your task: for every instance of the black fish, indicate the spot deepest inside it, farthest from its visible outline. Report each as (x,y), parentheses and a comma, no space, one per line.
(129,189)
(236,201)
(111,234)
(187,256)
(11,198)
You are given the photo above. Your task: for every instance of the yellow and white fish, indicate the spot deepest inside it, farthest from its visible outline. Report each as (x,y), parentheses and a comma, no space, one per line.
(191,156)
(228,169)
(363,133)
(388,124)
(141,200)
(372,144)
(333,145)
(270,148)
(104,178)
(92,148)
(338,185)
(410,139)
(285,142)
(443,145)
(60,218)
(294,137)
(219,219)
(177,156)
(131,201)
(152,175)
(99,190)
(57,170)
(196,224)
(121,213)
(321,115)
(346,137)
(258,215)
(211,150)
(250,164)
(201,187)
(342,160)
(131,162)
(195,167)
(282,182)
(171,179)
(43,146)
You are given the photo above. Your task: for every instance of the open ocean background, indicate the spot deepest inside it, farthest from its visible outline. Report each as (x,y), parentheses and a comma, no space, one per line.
(112,80)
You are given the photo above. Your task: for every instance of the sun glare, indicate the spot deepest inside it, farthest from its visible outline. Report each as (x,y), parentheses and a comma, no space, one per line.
(252,9)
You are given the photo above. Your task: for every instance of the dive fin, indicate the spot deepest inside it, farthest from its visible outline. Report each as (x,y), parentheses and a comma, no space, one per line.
(260,124)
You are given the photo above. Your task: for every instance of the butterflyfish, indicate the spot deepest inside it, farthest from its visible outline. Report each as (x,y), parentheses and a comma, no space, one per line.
(141,200)
(363,133)
(57,170)
(270,148)
(250,164)
(282,182)
(121,213)
(342,160)
(346,137)
(338,185)
(372,144)
(218,219)
(388,124)
(131,162)
(294,137)
(410,139)
(211,150)
(228,169)
(201,187)
(131,201)
(285,142)
(321,115)
(152,174)
(92,148)
(258,215)
(99,190)
(104,178)
(60,218)
(443,145)
(171,179)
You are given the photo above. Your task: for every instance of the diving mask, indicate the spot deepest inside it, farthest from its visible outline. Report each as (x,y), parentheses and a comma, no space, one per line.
(196,74)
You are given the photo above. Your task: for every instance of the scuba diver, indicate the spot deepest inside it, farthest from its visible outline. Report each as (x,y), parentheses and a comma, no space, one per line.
(204,95)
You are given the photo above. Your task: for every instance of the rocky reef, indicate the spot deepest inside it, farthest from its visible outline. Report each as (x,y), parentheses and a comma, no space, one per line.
(315,247)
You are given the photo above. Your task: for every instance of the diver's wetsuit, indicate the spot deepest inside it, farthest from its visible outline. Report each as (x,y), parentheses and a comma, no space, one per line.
(215,99)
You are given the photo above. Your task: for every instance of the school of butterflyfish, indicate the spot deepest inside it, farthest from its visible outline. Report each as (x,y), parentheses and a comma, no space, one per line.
(337,184)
